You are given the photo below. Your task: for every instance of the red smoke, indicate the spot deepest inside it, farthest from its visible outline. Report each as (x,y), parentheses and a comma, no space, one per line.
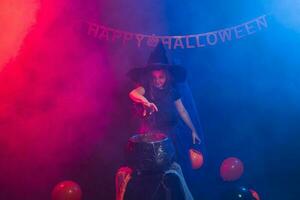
(55,96)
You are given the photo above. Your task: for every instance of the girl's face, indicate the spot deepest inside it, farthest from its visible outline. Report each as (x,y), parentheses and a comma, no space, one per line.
(159,78)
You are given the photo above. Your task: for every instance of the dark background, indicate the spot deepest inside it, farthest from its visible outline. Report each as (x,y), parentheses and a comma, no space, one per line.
(65,112)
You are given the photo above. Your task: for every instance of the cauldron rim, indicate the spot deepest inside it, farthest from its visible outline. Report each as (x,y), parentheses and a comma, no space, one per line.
(135,139)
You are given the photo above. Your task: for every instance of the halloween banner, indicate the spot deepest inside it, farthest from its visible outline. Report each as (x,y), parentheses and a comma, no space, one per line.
(179,41)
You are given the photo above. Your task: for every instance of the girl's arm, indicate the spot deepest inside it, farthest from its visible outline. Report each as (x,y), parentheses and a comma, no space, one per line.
(187,120)
(137,96)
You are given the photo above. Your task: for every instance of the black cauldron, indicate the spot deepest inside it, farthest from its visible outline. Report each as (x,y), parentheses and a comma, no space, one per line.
(150,152)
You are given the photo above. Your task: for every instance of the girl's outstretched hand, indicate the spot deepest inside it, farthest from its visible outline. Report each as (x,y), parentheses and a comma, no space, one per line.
(196,138)
(149,108)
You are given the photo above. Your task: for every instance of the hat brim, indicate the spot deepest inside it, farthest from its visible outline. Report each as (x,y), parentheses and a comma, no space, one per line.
(139,74)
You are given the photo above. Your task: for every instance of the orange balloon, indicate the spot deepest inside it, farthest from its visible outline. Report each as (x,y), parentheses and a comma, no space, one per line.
(254,194)
(66,190)
(231,169)
(196,158)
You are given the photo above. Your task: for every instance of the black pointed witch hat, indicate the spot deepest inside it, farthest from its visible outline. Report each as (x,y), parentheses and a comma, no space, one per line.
(158,60)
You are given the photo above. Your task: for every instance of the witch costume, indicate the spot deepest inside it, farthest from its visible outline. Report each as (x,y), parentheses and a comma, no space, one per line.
(166,120)
(167,117)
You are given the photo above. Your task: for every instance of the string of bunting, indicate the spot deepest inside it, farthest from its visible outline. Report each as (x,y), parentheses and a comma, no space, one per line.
(179,41)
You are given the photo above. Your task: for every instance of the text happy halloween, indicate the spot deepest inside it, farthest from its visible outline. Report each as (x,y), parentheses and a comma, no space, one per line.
(180,42)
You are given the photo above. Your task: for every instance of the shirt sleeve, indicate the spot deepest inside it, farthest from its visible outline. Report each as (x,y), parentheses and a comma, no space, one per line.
(175,94)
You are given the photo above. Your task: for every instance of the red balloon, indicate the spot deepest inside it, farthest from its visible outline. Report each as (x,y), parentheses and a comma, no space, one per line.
(254,194)
(231,169)
(66,190)
(196,158)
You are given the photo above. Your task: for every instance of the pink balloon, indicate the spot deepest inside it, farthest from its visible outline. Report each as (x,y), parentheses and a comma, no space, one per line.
(231,169)
(66,190)
(196,158)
